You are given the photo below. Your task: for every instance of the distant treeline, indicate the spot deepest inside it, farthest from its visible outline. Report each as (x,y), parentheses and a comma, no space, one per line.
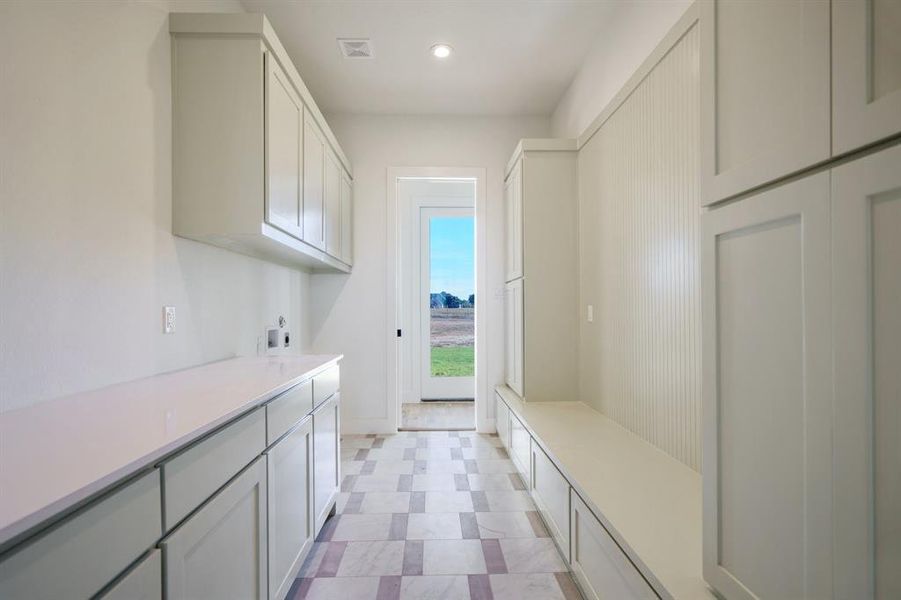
(447,300)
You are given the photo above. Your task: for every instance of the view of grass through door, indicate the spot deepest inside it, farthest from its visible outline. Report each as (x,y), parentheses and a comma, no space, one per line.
(452,299)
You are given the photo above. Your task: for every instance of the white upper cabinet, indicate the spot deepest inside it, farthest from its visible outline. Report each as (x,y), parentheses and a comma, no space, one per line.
(332,205)
(866,250)
(347,221)
(513,207)
(866,72)
(313,184)
(767,394)
(249,146)
(284,144)
(765,92)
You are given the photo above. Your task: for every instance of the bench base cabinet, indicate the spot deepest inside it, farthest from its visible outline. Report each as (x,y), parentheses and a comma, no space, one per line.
(600,566)
(221,550)
(521,449)
(325,457)
(143,582)
(289,466)
(550,490)
(502,421)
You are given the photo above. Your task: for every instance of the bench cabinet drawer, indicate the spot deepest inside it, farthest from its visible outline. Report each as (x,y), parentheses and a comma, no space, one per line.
(288,410)
(289,467)
(600,566)
(325,385)
(520,448)
(195,474)
(220,551)
(78,557)
(502,421)
(551,493)
(143,582)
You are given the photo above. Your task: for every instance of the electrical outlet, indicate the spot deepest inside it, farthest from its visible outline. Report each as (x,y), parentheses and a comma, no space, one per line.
(168,319)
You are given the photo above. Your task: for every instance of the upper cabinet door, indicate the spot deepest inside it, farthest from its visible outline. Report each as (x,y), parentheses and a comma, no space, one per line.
(284,147)
(866,251)
(514,335)
(347,221)
(866,72)
(767,394)
(332,204)
(513,203)
(313,183)
(765,92)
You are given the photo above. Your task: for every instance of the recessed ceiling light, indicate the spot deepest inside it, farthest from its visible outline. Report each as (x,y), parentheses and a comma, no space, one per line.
(441,50)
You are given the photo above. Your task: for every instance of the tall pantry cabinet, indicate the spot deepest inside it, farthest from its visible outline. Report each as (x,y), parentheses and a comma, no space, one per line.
(802,289)
(541,270)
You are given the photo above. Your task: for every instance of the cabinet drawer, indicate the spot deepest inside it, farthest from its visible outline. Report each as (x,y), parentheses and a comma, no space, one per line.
(195,474)
(143,582)
(288,410)
(502,421)
(599,564)
(520,450)
(84,553)
(325,385)
(551,493)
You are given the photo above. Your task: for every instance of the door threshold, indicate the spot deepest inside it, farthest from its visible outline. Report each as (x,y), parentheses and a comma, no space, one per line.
(436,428)
(447,399)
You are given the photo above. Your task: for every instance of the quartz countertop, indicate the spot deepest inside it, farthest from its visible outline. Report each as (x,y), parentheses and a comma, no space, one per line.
(56,454)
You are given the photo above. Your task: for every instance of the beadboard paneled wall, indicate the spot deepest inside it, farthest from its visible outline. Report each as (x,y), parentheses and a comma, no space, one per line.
(638,187)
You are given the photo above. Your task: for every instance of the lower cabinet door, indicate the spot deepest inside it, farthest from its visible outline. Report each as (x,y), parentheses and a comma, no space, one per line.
(520,449)
(143,582)
(599,564)
(290,518)
(325,458)
(502,421)
(551,493)
(220,551)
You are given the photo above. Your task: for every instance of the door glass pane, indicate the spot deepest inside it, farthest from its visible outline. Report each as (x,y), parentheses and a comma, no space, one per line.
(452,300)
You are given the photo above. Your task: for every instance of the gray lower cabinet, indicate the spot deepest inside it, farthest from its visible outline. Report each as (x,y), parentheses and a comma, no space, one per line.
(143,582)
(221,550)
(325,457)
(289,466)
(86,551)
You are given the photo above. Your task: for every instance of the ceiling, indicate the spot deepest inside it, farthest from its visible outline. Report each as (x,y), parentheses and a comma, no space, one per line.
(511,57)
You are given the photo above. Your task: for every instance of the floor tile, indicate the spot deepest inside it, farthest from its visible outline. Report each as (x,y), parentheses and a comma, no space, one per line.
(385,502)
(444,466)
(531,555)
(348,504)
(393,467)
(375,483)
(351,468)
(389,587)
(363,559)
(355,442)
(495,466)
(453,557)
(490,482)
(480,587)
(387,454)
(313,560)
(568,586)
(434,526)
(434,482)
(520,587)
(504,525)
(445,502)
(363,528)
(481,453)
(434,453)
(435,587)
(499,500)
(331,559)
(413,557)
(343,588)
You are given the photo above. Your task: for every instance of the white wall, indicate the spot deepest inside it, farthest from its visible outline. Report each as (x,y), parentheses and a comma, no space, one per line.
(632,31)
(349,312)
(86,255)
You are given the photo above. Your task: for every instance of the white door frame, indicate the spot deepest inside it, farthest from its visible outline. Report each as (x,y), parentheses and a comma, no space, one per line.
(393,292)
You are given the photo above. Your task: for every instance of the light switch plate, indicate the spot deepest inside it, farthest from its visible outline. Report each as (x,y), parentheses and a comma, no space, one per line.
(168,319)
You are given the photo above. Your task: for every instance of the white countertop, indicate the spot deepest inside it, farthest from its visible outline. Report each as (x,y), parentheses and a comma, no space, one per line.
(55,454)
(648,500)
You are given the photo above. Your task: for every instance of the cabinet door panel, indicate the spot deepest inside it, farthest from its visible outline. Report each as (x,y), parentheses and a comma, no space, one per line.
(313,183)
(221,551)
(332,204)
(143,582)
(514,336)
(767,394)
(513,204)
(521,449)
(284,144)
(765,92)
(347,221)
(866,204)
(502,421)
(551,492)
(325,457)
(866,72)
(290,513)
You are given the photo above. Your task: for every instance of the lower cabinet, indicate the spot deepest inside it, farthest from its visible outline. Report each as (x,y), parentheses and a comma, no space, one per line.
(521,449)
(325,459)
(601,567)
(551,493)
(502,421)
(221,550)
(289,466)
(143,582)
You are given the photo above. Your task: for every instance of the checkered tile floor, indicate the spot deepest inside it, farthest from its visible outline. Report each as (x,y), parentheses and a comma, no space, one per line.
(436,514)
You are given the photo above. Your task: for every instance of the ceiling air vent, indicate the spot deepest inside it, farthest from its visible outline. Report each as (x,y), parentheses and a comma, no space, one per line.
(355,47)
